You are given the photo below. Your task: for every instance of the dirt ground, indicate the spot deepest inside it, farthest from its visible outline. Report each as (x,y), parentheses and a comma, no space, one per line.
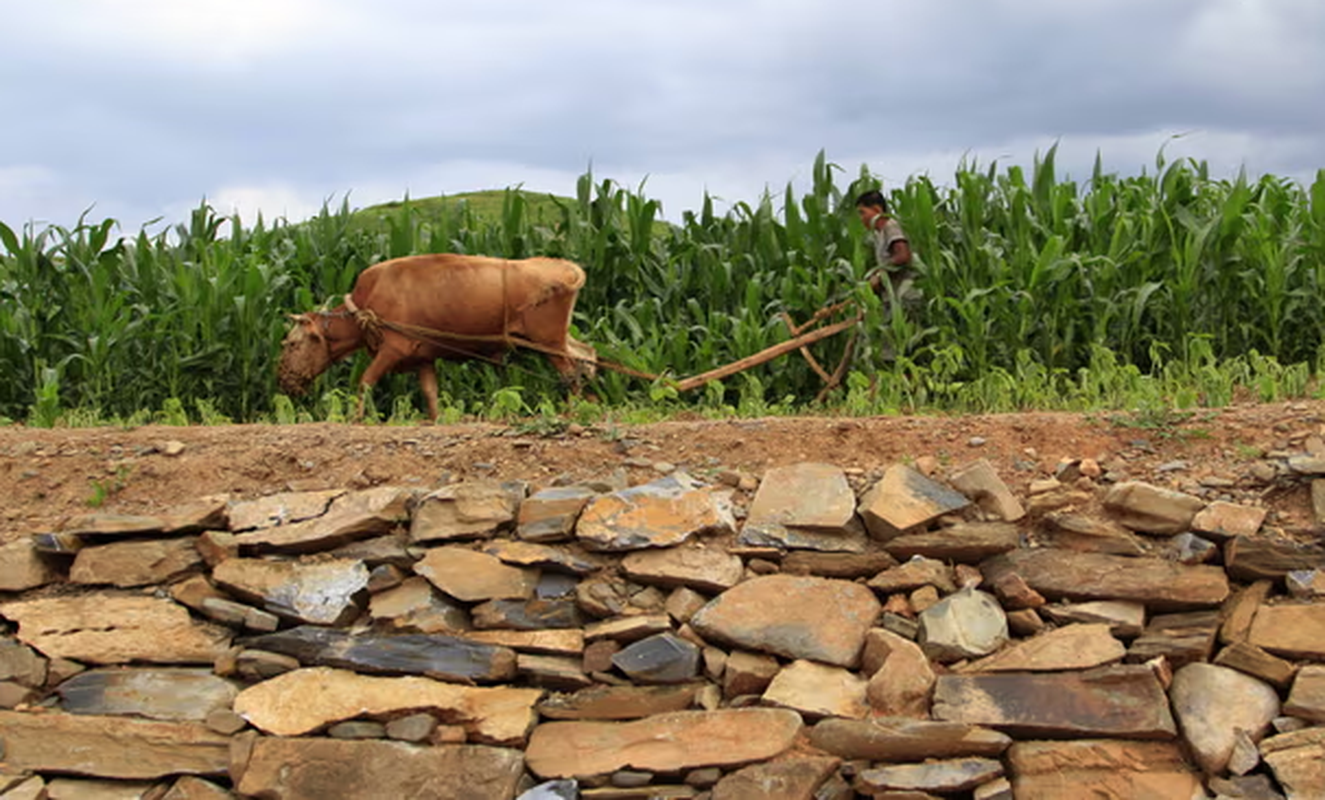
(49,476)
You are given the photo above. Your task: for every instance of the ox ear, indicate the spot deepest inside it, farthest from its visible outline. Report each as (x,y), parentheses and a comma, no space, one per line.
(302,319)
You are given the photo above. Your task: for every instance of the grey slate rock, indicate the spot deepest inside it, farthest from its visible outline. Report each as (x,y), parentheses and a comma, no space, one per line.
(662,658)
(154,692)
(446,658)
(528,615)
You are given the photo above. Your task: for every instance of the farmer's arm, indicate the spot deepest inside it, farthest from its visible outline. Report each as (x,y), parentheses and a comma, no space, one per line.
(899,253)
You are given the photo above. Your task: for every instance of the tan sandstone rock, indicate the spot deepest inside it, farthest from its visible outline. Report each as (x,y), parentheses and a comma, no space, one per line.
(665,742)
(304,700)
(302,769)
(110,747)
(782,614)
(1101,768)
(111,628)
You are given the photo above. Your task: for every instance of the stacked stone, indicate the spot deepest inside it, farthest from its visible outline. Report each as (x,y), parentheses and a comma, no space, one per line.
(823,637)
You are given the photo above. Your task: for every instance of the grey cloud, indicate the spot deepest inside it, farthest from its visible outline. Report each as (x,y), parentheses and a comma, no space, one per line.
(675,88)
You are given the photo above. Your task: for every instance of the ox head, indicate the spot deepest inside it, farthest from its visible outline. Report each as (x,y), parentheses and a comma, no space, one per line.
(305,354)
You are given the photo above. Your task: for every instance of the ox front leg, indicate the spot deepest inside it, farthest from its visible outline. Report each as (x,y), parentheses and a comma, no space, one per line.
(428,383)
(381,364)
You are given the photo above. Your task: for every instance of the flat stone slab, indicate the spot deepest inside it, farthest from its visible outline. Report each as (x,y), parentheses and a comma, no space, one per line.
(1162,585)
(1153,509)
(1298,761)
(550,514)
(1307,698)
(665,742)
(474,577)
(836,565)
(1295,630)
(947,777)
(21,664)
(965,543)
(1222,520)
(432,655)
(415,606)
(111,747)
(469,510)
(904,499)
(348,517)
(705,569)
(1213,704)
(981,482)
(894,739)
(1121,702)
(782,614)
(1249,558)
(318,592)
(566,642)
(1125,618)
(818,690)
(806,495)
(784,778)
(663,513)
(166,693)
(304,700)
(113,628)
(23,567)
(95,789)
(135,563)
(294,769)
(1072,531)
(1101,768)
(286,508)
(1080,646)
(661,658)
(967,624)
(849,539)
(1180,638)
(530,554)
(912,574)
(902,677)
(618,702)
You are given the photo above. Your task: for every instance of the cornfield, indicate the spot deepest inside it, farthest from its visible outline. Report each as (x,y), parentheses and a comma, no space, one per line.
(1170,287)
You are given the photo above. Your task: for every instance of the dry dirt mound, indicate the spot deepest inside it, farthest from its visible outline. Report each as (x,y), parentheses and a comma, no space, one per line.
(47,476)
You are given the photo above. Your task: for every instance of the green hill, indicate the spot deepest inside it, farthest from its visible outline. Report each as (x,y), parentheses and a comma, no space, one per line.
(472,210)
(485,207)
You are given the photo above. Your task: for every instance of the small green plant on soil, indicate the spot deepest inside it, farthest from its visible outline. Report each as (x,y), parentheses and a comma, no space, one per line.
(103,490)
(1164,422)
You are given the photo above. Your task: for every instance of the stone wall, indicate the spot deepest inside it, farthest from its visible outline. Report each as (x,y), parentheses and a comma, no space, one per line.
(806,633)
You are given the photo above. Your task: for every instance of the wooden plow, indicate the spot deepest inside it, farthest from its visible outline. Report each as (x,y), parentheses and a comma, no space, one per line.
(802,336)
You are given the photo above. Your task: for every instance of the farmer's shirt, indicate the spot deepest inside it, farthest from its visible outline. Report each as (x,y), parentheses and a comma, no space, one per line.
(902,278)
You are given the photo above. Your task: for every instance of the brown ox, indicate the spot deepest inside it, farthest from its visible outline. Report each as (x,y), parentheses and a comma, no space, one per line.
(477,300)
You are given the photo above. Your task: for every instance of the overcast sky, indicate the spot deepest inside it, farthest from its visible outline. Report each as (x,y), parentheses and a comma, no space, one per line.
(143,107)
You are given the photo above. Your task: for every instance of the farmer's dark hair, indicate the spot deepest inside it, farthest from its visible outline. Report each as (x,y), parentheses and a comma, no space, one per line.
(873,197)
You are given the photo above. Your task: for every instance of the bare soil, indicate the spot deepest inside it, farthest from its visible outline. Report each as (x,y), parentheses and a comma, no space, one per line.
(49,476)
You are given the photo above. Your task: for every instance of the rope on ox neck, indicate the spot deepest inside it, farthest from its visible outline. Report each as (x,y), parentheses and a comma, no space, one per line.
(369,323)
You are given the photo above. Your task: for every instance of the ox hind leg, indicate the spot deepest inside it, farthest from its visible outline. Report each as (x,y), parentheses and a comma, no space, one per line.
(428,384)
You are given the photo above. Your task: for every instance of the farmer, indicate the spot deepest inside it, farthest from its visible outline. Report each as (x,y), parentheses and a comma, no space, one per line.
(892,252)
